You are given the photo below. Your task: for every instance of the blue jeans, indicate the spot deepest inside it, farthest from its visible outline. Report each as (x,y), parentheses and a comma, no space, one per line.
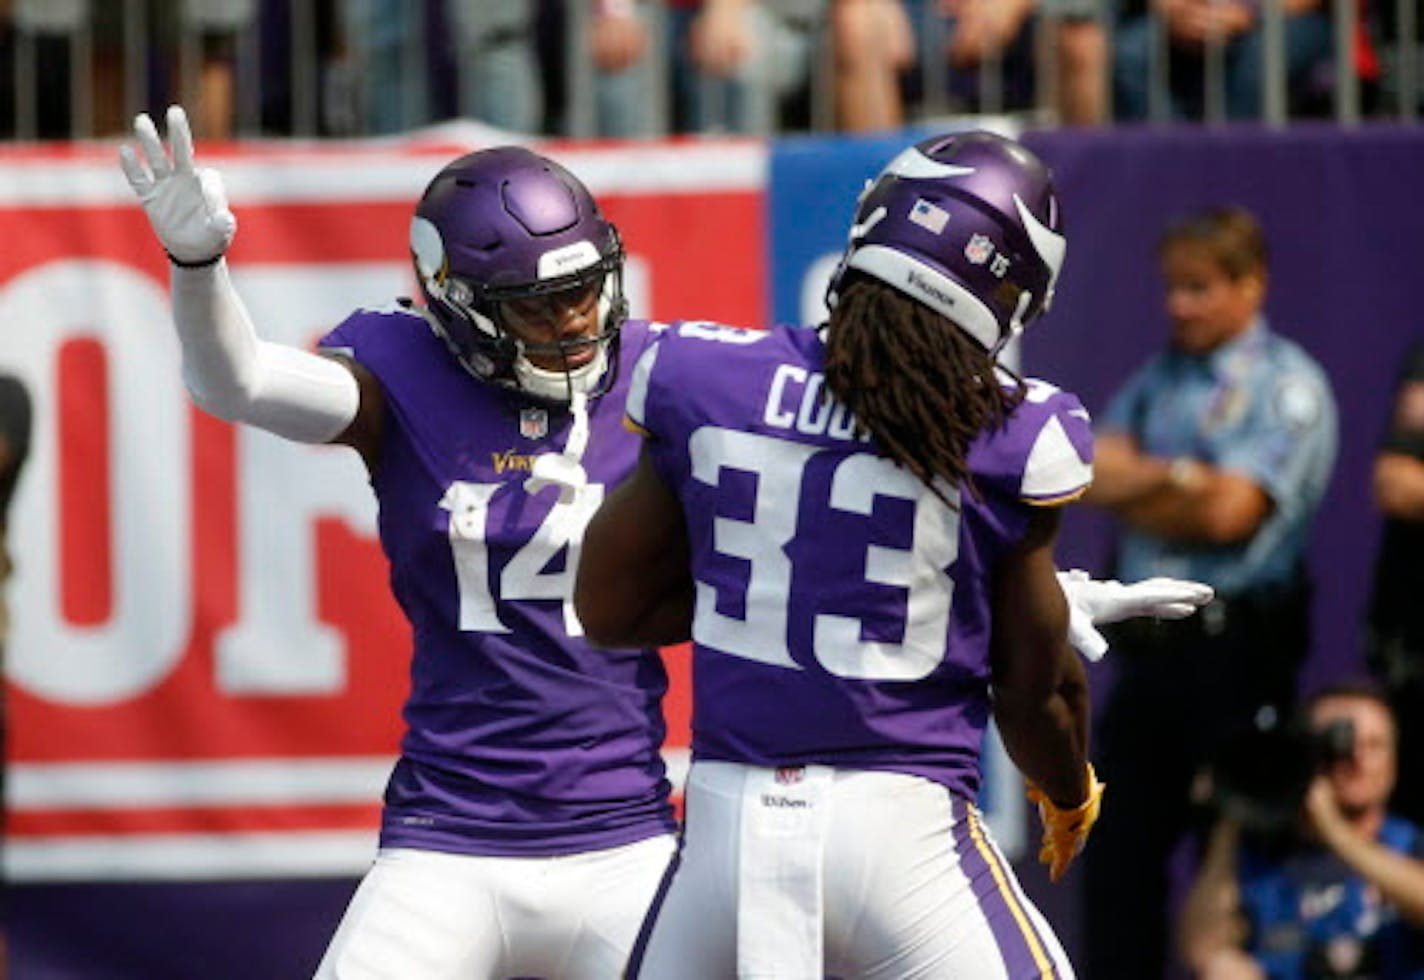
(747,102)
(1308,44)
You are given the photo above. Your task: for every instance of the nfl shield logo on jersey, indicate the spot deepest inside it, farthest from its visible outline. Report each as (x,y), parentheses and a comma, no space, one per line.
(533,423)
(790,775)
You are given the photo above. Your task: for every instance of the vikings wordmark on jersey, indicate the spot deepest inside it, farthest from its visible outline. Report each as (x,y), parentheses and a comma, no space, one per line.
(522,739)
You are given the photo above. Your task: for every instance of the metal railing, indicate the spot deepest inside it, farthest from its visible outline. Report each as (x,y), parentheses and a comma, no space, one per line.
(124,57)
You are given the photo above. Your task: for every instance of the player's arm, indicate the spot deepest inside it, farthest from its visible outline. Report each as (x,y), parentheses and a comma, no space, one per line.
(1040,685)
(229,371)
(1041,695)
(634,584)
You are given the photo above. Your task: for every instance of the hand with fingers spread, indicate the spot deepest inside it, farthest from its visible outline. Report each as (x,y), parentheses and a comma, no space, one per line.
(1093,603)
(186,205)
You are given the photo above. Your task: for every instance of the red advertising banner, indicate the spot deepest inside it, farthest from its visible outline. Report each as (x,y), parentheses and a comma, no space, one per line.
(205,668)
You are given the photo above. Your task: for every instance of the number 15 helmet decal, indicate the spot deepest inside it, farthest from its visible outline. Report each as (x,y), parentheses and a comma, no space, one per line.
(967,224)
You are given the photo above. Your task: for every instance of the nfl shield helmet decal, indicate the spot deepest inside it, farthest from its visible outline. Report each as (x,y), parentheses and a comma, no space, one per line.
(978,249)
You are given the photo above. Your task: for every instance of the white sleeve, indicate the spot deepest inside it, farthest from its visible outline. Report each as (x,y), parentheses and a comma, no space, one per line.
(233,374)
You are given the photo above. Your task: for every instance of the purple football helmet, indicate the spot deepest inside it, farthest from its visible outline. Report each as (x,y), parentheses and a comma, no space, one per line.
(967,224)
(504,225)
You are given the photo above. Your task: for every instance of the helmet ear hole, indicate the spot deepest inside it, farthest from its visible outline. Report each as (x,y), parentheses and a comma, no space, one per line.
(427,249)
(458,291)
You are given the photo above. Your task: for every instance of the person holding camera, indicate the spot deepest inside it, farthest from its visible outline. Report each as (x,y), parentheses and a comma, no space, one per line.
(1340,893)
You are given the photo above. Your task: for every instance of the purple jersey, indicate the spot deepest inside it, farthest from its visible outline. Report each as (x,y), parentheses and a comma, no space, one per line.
(843,610)
(521,739)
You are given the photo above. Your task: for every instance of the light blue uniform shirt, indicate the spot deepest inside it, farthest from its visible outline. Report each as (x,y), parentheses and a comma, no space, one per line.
(1259,406)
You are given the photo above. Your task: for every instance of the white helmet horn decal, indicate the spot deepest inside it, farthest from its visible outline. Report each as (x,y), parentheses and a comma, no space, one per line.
(915,165)
(427,246)
(1048,243)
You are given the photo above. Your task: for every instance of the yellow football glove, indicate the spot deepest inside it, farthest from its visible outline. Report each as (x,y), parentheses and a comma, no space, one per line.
(1066,831)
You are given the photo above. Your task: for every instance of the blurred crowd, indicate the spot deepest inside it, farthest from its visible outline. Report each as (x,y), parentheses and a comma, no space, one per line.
(642,68)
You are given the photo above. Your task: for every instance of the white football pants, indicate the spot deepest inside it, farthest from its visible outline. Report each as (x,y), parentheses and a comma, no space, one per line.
(902,876)
(437,916)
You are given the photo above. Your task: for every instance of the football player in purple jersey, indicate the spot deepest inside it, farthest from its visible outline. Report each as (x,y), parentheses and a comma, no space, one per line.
(855,526)
(527,823)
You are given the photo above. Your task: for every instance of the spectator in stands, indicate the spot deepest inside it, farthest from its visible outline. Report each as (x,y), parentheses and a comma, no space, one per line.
(1083,64)
(1214,456)
(872,44)
(618,48)
(735,62)
(732,65)
(1002,34)
(1339,896)
(1189,24)
(217,24)
(1395,633)
(503,63)
(376,34)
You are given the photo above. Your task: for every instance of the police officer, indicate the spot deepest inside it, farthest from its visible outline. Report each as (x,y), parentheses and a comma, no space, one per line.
(1214,456)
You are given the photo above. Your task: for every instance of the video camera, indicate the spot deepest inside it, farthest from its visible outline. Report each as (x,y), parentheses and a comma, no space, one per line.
(1261,776)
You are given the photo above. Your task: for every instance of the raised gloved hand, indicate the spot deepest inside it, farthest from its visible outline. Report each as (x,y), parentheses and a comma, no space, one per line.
(1092,602)
(187,206)
(1066,831)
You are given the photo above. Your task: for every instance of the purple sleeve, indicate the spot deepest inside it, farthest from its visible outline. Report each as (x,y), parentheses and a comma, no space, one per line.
(1043,455)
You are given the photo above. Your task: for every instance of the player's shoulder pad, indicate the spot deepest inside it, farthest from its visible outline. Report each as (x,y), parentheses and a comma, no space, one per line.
(634,336)
(635,408)
(711,330)
(674,359)
(1045,450)
(372,320)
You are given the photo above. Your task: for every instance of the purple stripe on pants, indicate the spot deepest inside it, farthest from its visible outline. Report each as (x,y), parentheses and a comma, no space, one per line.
(1022,947)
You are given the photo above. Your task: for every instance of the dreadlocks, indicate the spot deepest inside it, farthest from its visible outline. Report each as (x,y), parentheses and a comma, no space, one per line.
(914,381)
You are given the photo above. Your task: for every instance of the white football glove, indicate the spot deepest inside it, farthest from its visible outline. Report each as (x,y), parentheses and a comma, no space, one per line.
(1092,603)
(187,206)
